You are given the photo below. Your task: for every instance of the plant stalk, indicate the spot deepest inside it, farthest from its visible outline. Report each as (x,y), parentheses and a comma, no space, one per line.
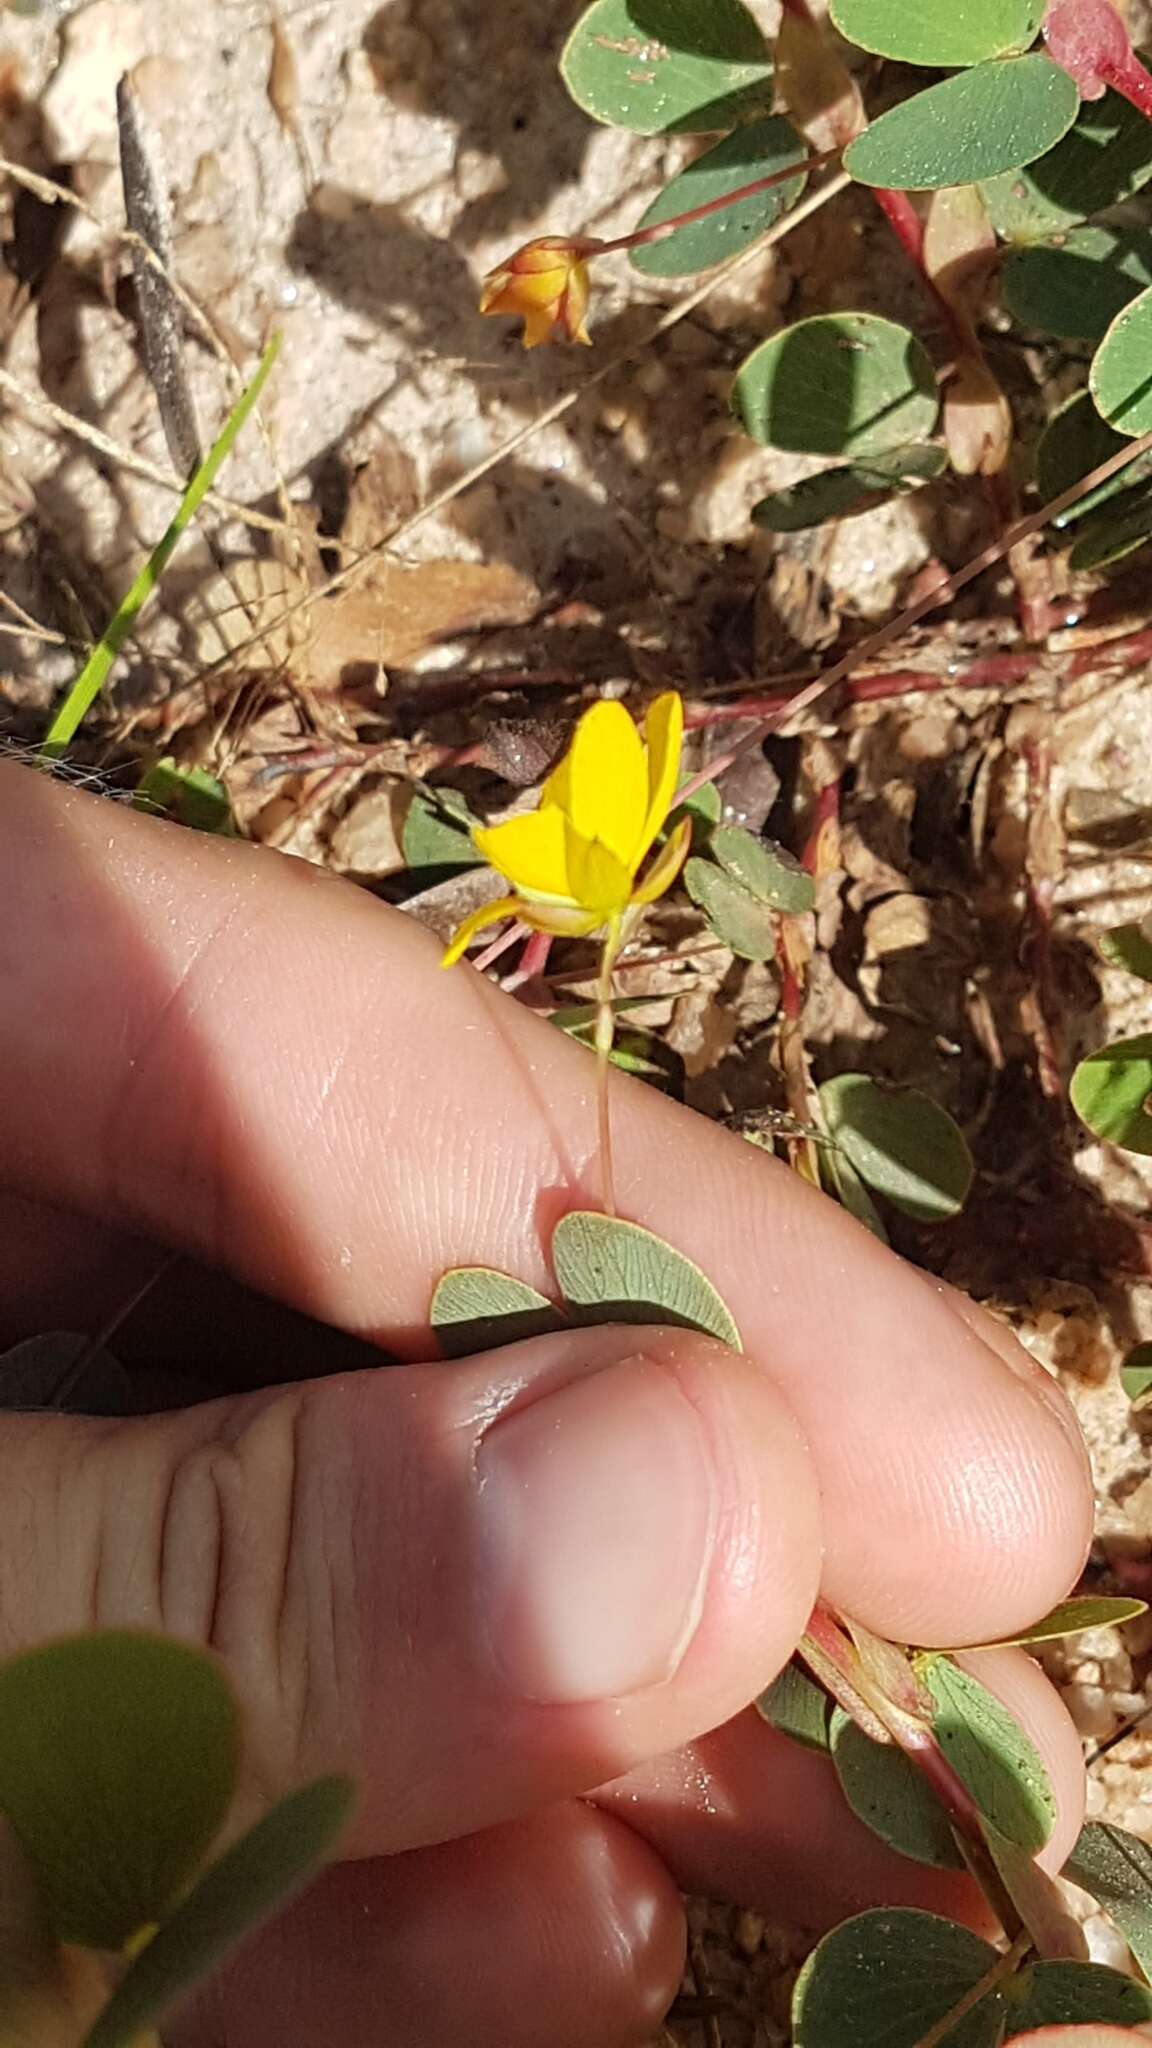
(660,230)
(605,1033)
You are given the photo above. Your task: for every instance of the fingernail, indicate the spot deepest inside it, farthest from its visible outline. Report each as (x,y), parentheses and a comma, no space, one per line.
(597,1510)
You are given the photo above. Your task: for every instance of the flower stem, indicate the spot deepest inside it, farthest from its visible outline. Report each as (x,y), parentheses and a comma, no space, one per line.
(605,1033)
(660,230)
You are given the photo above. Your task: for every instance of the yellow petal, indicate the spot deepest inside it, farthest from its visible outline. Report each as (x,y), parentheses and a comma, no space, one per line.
(489,913)
(667,864)
(599,882)
(492,291)
(602,782)
(664,736)
(539,325)
(530,851)
(575,305)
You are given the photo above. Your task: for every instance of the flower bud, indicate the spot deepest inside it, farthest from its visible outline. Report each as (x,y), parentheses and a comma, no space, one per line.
(546,284)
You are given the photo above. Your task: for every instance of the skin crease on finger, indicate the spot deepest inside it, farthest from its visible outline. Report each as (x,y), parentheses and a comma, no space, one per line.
(925,1443)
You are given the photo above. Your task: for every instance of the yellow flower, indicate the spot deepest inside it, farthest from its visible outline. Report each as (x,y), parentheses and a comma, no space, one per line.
(546,284)
(573,861)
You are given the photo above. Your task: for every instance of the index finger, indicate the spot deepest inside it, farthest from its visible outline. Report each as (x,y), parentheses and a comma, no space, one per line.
(244,1056)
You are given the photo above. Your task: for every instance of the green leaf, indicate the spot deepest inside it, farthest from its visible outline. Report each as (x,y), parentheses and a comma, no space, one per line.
(614,1272)
(1120,378)
(882,1979)
(1127,946)
(438,831)
(634,1050)
(990,1752)
(887,1792)
(1110,1092)
(766,870)
(83,692)
(1070,1994)
(938,35)
(257,1874)
(990,119)
(705,808)
(845,1185)
(1136,1372)
(62,1369)
(796,1706)
(1072,1617)
(733,913)
(1115,1868)
(752,152)
(854,487)
(475,1308)
(668,67)
(118,1759)
(1113,535)
(1074,286)
(901,1143)
(1105,158)
(839,384)
(190,796)
(1074,443)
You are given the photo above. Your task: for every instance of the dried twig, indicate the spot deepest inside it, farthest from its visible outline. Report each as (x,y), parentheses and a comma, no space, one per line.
(156,300)
(26,626)
(115,451)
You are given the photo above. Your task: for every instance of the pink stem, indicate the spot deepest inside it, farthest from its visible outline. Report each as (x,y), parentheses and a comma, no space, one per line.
(660,230)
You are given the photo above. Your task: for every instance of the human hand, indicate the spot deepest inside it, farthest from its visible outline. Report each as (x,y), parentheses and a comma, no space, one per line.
(485,1588)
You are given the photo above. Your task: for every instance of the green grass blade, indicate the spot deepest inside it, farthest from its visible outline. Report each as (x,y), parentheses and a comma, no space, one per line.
(94,673)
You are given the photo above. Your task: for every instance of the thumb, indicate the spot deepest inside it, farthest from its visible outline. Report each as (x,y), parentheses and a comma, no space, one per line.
(478,1587)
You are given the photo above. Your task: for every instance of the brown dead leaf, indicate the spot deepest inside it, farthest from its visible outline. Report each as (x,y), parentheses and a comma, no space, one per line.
(393,614)
(367,840)
(812,86)
(977,420)
(390,616)
(959,253)
(381,492)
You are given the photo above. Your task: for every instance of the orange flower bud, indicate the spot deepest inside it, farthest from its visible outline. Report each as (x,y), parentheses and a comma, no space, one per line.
(546,284)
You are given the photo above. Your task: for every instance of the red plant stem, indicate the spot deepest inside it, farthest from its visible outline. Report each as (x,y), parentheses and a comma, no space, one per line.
(928,601)
(1130,80)
(660,230)
(1129,652)
(533,960)
(994,672)
(825,820)
(904,221)
(918,1742)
